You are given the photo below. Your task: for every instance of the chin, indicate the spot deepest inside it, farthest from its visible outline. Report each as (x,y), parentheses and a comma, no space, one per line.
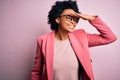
(71,31)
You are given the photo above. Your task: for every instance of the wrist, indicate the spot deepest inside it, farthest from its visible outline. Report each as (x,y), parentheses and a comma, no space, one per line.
(92,17)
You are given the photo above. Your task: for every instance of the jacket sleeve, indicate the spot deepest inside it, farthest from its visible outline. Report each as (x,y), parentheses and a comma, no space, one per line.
(38,62)
(106,36)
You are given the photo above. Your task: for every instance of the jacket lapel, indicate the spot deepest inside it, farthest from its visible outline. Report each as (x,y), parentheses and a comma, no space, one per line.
(50,55)
(79,52)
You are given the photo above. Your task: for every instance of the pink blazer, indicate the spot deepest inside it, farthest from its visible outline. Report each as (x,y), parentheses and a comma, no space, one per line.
(80,41)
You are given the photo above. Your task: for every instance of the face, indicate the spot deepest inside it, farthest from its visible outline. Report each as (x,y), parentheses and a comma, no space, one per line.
(67,23)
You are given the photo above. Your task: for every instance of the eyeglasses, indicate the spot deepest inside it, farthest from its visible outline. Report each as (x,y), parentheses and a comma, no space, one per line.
(70,18)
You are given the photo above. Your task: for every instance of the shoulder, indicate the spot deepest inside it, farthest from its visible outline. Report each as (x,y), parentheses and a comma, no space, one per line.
(44,37)
(79,32)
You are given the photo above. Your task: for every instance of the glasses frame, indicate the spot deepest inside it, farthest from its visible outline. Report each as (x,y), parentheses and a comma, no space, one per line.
(70,18)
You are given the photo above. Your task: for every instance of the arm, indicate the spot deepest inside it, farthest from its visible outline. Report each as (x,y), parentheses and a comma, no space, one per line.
(106,36)
(37,67)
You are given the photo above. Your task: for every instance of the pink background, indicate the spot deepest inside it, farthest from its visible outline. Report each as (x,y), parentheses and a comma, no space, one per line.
(22,21)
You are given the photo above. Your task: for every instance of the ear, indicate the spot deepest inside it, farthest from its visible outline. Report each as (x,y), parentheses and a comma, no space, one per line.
(57,20)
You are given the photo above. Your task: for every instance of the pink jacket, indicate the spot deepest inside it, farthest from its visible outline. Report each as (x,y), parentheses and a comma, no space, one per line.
(80,41)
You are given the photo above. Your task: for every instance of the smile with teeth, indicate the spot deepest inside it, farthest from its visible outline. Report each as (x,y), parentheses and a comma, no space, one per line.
(71,26)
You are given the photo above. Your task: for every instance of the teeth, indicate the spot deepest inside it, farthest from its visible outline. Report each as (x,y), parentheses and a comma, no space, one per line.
(71,26)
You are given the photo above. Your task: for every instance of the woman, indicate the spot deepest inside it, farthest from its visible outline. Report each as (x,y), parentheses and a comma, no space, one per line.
(63,54)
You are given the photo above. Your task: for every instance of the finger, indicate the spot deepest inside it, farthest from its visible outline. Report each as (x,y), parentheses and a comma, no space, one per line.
(74,14)
(77,14)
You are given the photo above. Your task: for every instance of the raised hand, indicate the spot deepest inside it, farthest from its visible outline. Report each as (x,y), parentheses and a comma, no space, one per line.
(82,16)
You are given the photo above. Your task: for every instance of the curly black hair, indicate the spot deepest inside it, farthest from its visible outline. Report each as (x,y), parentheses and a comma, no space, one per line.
(57,9)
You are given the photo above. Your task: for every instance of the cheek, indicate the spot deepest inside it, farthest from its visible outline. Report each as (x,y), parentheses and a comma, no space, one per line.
(74,25)
(64,23)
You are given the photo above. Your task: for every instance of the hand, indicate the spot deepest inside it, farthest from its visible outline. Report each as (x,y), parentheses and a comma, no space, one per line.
(83,16)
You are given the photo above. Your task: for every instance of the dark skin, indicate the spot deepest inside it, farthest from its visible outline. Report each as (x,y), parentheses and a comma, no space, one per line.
(66,26)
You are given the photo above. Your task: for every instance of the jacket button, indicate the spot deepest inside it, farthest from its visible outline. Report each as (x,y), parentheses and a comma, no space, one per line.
(91,60)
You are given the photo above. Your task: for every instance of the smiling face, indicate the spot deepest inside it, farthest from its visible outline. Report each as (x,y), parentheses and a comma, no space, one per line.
(67,23)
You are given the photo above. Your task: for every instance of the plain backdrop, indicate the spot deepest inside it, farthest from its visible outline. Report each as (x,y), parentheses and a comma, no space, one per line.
(22,21)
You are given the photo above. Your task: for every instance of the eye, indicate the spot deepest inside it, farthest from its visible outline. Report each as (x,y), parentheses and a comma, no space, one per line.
(69,18)
(76,20)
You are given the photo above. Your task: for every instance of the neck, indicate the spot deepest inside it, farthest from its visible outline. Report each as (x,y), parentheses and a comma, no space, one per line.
(61,35)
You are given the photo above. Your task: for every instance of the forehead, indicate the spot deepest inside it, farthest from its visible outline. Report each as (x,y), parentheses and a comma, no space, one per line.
(67,11)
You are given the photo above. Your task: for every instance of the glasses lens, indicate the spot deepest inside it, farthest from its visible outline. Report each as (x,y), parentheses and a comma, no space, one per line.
(70,18)
(76,19)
